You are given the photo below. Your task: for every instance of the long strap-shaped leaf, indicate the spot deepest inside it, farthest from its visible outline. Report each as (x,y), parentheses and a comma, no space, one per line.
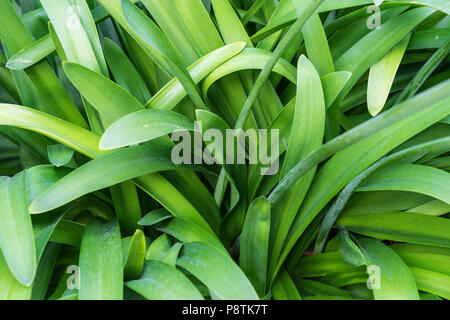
(41,48)
(425,72)
(400,226)
(217,271)
(391,278)
(107,97)
(71,33)
(101,268)
(160,281)
(31,54)
(343,198)
(16,233)
(103,172)
(254,245)
(134,255)
(10,288)
(64,132)
(143,126)
(306,136)
(413,178)
(124,72)
(382,76)
(316,41)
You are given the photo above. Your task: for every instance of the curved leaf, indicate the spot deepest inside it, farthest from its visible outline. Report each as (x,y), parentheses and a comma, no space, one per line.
(101,268)
(186,232)
(254,244)
(141,126)
(124,72)
(217,271)
(382,76)
(102,172)
(391,278)
(107,97)
(16,233)
(134,255)
(160,281)
(411,177)
(400,226)
(31,54)
(10,288)
(173,92)
(64,132)
(250,58)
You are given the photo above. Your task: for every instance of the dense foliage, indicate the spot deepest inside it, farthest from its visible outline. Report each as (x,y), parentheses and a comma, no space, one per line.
(93,205)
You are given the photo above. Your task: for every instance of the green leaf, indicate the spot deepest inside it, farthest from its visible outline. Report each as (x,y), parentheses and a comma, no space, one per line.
(283,288)
(64,132)
(160,281)
(332,85)
(430,261)
(350,251)
(390,277)
(59,155)
(154,217)
(369,150)
(317,288)
(254,244)
(432,208)
(428,39)
(159,248)
(107,97)
(377,43)
(249,58)
(142,126)
(382,76)
(315,40)
(161,49)
(10,288)
(45,271)
(101,268)
(15,36)
(31,54)
(432,282)
(425,72)
(134,256)
(400,226)
(186,232)
(68,232)
(102,172)
(16,233)
(39,178)
(173,92)
(411,177)
(66,20)
(217,271)
(344,196)
(306,136)
(172,254)
(124,72)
